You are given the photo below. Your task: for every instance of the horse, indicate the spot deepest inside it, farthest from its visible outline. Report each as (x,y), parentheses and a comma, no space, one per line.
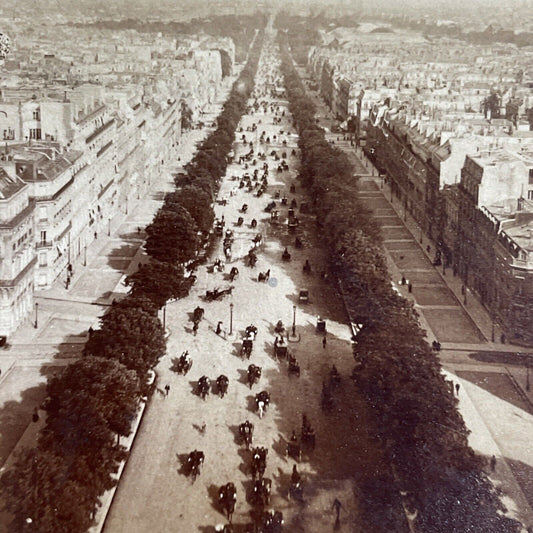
(227,497)
(246,431)
(253,375)
(222,385)
(251,330)
(204,384)
(286,256)
(244,208)
(253,223)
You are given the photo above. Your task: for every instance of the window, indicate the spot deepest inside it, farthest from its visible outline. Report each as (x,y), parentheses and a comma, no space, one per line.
(43,215)
(36,114)
(531,176)
(530,195)
(9,134)
(43,261)
(35,133)
(43,237)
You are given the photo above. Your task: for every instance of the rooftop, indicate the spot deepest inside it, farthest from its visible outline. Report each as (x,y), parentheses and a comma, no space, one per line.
(8,185)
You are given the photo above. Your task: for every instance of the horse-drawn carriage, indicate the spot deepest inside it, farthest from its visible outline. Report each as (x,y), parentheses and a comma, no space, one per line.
(294,367)
(222,385)
(204,384)
(227,498)
(303,296)
(253,375)
(262,399)
(217,294)
(258,464)
(261,490)
(183,364)
(246,431)
(294,449)
(270,206)
(246,348)
(195,460)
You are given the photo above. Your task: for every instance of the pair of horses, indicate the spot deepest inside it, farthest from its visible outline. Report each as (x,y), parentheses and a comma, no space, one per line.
(195,460)
(264,276)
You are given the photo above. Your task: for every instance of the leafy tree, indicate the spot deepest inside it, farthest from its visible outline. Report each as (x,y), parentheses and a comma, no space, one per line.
(196,201)
(172,236)
(38,493)
(131,336)
(159,282)
(112,387)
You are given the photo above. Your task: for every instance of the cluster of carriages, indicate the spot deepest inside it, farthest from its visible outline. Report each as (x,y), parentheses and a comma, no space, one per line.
(255,181)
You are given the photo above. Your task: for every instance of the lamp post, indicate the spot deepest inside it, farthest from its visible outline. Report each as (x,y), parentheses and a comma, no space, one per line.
(36,315)
(231,318)
(294,321)
(109,227)
(492,332)
(84,255)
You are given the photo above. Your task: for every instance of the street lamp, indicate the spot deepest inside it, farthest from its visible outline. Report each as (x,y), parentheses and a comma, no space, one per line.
(231,318)
(36,315)
(492,332)
(84,255)
(109,227)
(294,321)
(527,375)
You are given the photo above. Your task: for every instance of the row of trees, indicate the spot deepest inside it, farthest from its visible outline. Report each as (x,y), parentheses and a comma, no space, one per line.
(419,425)
(56,487)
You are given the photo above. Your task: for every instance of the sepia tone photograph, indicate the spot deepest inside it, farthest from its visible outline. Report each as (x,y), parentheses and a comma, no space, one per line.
(266,266)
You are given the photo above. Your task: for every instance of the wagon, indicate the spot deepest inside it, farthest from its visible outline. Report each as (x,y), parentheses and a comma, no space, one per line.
(303,296)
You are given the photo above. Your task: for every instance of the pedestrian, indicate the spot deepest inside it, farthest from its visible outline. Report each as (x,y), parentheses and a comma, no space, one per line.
(337,505)
(324,342)
(428,249)
(35,415)
(492,463)
(219,328)
(195,328)
(410,287)
(95,235)
(167,389)
(457,387)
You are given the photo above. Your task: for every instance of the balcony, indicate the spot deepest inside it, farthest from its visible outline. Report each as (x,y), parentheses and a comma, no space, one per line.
(44,244)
